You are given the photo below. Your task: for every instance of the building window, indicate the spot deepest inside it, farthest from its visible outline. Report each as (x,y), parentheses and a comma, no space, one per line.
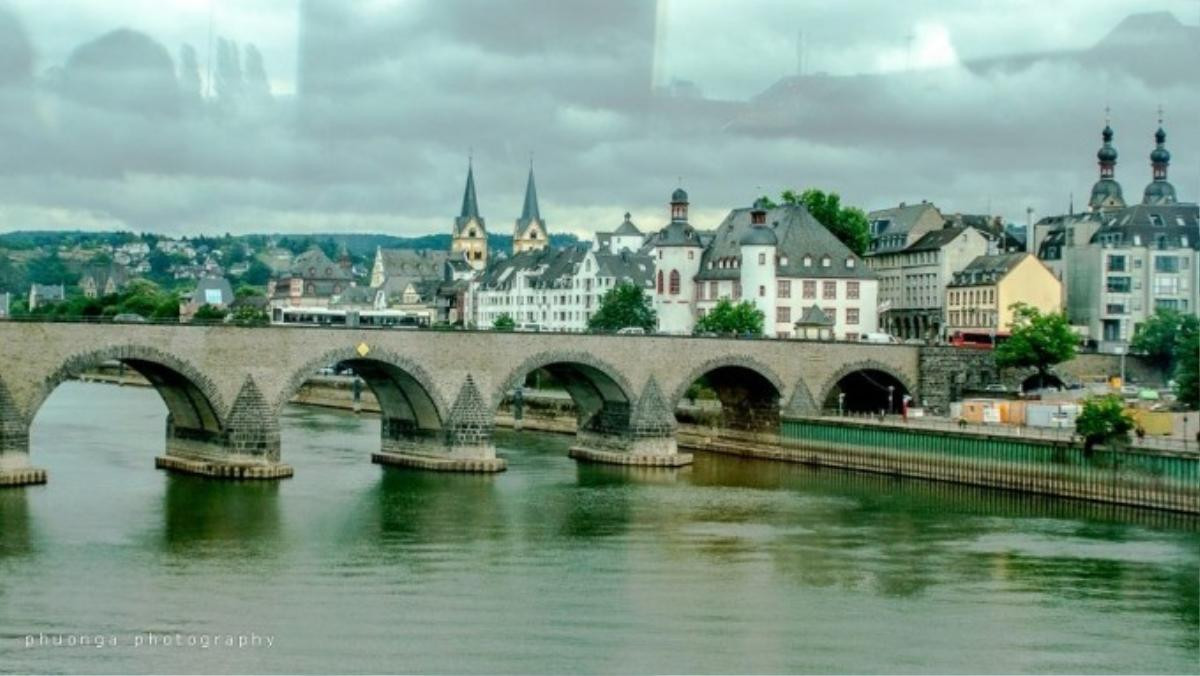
(852,290)
(1118,285)
(852,316)
(762,291)
(783,315)
(1166,264)
(784,289)
(826,261)
(699,292)
(674,291)
(1166,285)
(810,289)
(713,293)
(830,312)
(849,262)
(660,281)
(829,290)
(851,336)
(737,290)
(762,258)
(808,261)
(1116,264)
(1114,309)
(691,254)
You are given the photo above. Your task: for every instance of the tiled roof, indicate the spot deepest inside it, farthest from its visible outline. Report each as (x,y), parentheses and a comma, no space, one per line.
(799,235)
(987,269)
(1171,224)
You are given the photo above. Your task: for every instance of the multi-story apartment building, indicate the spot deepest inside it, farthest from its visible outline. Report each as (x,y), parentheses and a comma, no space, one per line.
(980,297)
(913,279)
(777,257)
(552,289)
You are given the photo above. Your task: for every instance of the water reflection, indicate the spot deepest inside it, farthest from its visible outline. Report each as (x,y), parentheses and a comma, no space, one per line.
(207,517)
(16,538)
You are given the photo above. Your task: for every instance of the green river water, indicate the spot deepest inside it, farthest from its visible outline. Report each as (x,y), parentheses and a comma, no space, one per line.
(553,566)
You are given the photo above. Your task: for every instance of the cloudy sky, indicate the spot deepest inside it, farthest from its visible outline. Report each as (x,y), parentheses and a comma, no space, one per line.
(185,116)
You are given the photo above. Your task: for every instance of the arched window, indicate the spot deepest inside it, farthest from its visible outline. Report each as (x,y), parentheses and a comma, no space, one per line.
(533,235)
(660,281)
(471,233)
(674,283)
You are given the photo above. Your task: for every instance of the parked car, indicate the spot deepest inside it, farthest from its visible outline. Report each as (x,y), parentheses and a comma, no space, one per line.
(885,338)
(631,331)
(129,318)
(995,387)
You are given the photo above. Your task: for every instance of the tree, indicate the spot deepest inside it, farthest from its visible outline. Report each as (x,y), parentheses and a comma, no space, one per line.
(848,224)
(209,314)
(622,306)
(248,315)
(1037,341)
(1187,363)
(50,269)
(504,323)
(258,274)
(727,318)
(1157,338)
(1103,420)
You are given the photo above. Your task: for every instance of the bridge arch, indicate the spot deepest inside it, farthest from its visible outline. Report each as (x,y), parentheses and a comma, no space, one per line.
(193,401)
(749,391)
(405,391)
(602,395)
(865,385)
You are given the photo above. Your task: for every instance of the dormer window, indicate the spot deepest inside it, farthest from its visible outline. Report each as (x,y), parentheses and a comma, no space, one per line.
(808,261)
(783,260)
(826,261)
(849,262)
(1156,220)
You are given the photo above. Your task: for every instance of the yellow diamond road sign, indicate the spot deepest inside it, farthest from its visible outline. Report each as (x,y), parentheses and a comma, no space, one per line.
(362,349)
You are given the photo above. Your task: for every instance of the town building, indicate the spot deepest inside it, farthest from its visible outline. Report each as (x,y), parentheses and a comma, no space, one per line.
(43,294)
(980,297)
(913,279)
(625,237)
(529,232)
(552,289)
(311,280)
(777,257)
(469,236)
(103,280)
(213,291)
(1119,262)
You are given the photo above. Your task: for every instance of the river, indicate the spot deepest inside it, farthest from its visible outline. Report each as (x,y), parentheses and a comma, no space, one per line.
(731,565)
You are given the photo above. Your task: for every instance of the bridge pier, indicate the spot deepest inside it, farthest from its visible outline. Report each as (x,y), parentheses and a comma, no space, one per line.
(247,447)
(15,469)
(463,444)
(643,434)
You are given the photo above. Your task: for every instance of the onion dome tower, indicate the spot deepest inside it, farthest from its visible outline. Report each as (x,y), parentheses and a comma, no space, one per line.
(1159,191)
(1106,193)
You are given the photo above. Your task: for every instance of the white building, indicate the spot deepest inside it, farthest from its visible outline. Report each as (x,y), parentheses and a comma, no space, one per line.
(779,258)
(549,289)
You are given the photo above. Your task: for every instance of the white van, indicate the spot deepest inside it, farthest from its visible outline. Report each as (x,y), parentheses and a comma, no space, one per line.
(885,338)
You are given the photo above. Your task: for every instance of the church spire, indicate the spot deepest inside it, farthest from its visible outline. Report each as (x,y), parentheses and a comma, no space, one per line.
(1159,191)
(530,231)
(470,207)
(1106,193)
(530,211)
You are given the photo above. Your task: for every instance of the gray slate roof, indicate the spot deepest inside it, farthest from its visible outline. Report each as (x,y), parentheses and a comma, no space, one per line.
(987,269)
(218,284)
(798,235)
(814,316)
(1171,222)
(896,221)
(530,211)
(936,239)
(470,204)
(314,264)
(414,263)
(626,228)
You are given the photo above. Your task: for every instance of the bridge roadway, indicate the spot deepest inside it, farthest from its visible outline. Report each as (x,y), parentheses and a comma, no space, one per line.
(224,387)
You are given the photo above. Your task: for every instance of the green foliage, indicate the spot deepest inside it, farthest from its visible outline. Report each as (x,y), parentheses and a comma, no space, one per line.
(1037,341)
(1187,363)
(209,314)
(1103,420)
(257,275)
(727,318)
(623,306)
(1156,337)
(248,316)
(50,269)
(504,322)
(848,224)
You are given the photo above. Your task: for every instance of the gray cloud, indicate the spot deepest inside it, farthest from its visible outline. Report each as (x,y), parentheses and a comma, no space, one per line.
(388,101)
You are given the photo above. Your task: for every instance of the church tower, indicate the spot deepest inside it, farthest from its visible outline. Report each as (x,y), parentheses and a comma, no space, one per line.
(1106,193)
(530,231)
(1159,191)
(470,235)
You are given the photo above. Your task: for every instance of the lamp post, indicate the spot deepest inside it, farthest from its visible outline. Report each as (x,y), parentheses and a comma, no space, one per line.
(891,393)
(841,404)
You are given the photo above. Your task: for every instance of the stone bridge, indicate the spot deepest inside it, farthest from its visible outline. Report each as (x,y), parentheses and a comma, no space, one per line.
(224,387)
